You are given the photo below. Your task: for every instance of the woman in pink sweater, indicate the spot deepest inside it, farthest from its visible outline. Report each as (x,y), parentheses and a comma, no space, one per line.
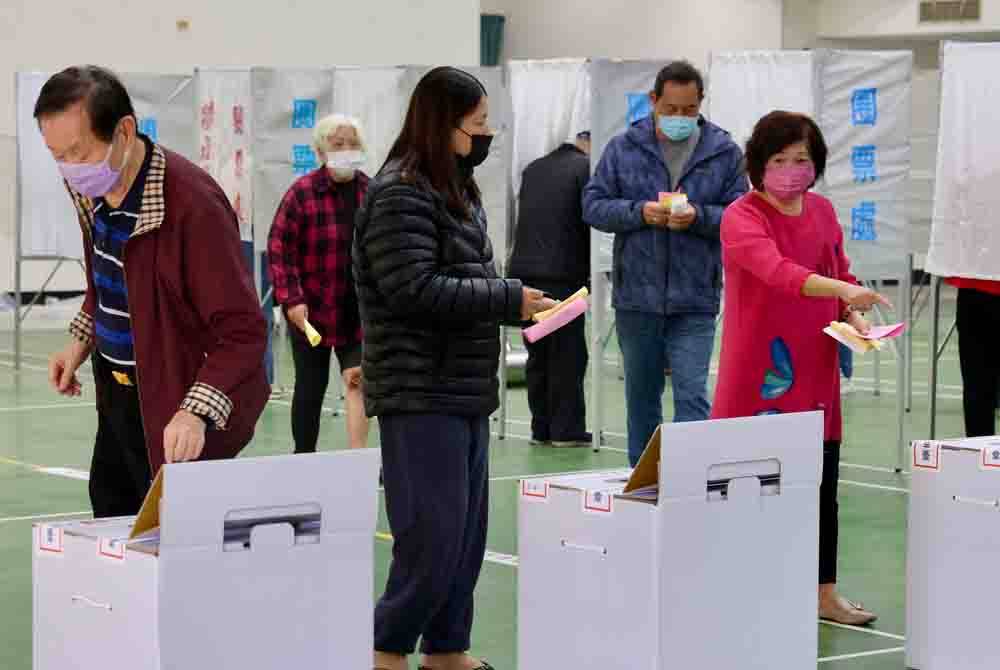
(786,278)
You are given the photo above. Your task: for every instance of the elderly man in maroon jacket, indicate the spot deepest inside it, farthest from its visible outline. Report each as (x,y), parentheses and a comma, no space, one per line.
(170,317)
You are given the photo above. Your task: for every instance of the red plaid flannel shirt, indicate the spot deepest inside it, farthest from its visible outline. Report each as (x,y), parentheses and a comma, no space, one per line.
(309,254)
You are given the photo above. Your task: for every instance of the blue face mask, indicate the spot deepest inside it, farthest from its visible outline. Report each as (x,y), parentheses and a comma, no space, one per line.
(678,128)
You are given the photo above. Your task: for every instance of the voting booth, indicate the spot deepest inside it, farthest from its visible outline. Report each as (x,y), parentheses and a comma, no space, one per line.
(953,550)
(703,557)
(244,564)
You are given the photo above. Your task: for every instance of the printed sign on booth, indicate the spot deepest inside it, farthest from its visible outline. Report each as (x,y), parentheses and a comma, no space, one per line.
(864,107)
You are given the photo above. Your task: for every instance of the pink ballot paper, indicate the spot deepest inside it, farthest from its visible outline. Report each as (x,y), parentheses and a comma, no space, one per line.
(884,332)
(565,315)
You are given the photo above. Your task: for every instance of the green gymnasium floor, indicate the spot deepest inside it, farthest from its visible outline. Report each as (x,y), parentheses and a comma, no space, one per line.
(42,430)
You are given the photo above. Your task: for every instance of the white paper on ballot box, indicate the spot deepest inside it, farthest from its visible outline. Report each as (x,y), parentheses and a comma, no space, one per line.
(965,236)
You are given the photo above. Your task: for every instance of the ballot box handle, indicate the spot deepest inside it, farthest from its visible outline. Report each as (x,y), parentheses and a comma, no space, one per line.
(83,600)
(305,519)
(723,478)
(590,548)
(982,502)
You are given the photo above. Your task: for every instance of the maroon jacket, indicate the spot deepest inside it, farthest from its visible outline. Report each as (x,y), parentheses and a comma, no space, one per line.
(198,330)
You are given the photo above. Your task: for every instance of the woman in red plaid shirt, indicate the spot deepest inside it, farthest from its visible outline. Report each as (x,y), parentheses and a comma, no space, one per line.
(309,251)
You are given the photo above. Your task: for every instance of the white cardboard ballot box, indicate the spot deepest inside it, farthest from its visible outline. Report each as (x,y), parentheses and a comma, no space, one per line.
(953,555)
(718,572)
(248,564)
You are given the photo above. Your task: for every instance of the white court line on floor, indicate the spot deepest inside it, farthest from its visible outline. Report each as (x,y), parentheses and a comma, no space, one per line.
(42,517)
(68,473)
(32,408)
(865,629)
(25,366)
(877,487)
(874,468)
(862,654)
(511,478)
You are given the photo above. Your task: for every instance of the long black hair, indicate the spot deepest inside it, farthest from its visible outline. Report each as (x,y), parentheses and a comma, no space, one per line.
(444,96)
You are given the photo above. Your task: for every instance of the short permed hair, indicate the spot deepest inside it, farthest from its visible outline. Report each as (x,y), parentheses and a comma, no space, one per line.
(777,131)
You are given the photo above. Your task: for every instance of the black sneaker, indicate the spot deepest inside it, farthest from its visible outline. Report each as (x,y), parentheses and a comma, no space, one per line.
(538,442)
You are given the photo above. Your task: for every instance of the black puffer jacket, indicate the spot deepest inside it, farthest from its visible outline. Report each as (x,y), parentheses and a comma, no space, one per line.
(431,302)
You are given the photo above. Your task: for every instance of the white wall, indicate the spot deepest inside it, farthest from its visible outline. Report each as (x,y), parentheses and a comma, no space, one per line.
(636,28)
(895,18)
(143,37)
(800,23)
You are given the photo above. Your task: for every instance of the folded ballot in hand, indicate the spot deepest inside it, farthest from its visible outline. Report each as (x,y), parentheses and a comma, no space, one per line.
(312,335)
(677,203)
(553,319)
(847,335)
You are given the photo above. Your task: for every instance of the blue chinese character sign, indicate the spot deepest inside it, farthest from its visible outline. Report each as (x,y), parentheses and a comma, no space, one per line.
(863,163)
(303,159)
(149,128)
(639,107)
(304,114)
(864,107)
(863,222)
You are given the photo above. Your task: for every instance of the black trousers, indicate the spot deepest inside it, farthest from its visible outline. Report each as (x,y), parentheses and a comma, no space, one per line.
(437,499)
(829,524)
(120,474)
(555,374)
(978,322)
(312,377)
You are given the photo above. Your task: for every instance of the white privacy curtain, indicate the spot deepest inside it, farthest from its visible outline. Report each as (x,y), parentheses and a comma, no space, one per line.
(965,234)
(746,85)
(551,104)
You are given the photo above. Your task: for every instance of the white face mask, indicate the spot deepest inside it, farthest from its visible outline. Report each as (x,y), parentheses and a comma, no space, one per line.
(345,160)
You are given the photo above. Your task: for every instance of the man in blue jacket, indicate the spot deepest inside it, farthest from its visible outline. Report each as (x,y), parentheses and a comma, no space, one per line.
(667,267)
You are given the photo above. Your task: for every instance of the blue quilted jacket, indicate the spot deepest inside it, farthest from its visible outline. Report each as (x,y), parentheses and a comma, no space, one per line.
(656,270)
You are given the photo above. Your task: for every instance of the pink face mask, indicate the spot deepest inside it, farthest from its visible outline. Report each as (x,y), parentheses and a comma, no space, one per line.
(788,182)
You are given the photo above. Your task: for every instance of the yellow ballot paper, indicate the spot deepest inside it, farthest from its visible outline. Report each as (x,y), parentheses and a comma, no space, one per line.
(851,338)
(541,316)
(314,337)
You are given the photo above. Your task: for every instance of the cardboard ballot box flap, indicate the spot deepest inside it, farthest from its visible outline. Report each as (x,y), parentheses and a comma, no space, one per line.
(192,503)
(683,457)
(647,470)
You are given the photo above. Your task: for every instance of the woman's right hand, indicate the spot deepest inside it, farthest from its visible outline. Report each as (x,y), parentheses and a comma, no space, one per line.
(862,298)
(298,315)
(534,301)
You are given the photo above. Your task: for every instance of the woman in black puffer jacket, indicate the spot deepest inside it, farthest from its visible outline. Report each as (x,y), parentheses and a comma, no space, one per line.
(431,306)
